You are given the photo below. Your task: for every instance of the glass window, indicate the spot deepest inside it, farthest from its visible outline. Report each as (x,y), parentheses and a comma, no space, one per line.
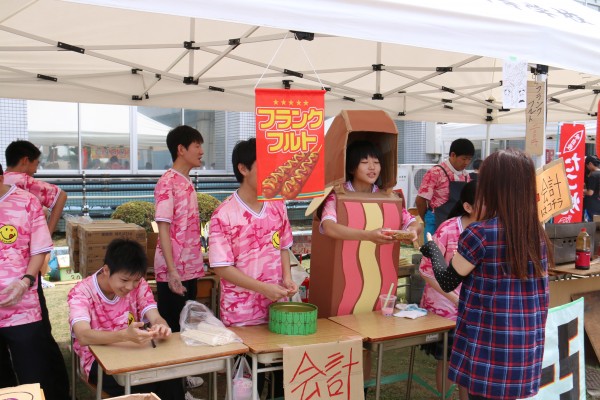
(105,137)
(55,136)
(214,147)
(153,124)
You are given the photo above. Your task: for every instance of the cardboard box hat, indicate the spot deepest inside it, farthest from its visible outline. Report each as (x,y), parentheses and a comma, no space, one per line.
(347,276)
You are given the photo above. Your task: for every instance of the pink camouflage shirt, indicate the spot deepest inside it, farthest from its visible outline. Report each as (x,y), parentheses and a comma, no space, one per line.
(23,234)
(252,243)
(88,303)
(330,210)
(434,186)
(177,204)
(446,237)
(45,192)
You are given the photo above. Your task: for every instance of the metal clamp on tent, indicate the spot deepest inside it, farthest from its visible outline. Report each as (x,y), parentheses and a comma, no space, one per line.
(448,107)
(189,80)
(377,96)
(402,114)
(326,88)
(47,77)
(70,47)
(158,76)
(214,88)
(293,73)
(377,67)
(575,87)
(190,45)
(502,109)
(349,98)
(134,71)
(554,99)
(540,69)
(447,89)
(596,91)
(298,35)
(443,70)
(287,83)
(235,42)
(446,101)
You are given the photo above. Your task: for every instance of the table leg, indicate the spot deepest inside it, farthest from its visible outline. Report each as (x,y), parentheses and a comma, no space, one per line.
(378,372)
(229,380)
(127,384)
(444,366)
(99,384)
(411,364)
(254,376)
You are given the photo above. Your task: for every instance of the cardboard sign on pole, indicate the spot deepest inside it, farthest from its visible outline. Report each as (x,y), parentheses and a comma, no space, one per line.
(324,371)
(572,151)
(553,195)
(535,116)
(289,143)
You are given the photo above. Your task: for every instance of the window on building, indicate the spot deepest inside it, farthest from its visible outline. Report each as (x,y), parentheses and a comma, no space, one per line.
(152,125)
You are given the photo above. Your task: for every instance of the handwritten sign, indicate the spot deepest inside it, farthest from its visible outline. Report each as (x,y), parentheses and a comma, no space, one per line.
(535,116)
(514,83)
(553,195)
(24,392)
(324,371)
(572,151)
(290,133)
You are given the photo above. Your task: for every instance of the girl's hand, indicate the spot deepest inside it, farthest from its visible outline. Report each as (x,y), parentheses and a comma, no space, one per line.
(273,291)
(378,236)
(160,331)
(290,286)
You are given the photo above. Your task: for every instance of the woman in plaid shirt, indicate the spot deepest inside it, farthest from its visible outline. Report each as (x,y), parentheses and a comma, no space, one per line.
(502,263)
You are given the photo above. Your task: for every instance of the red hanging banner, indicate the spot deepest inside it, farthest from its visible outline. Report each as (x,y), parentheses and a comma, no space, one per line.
(289,143)
(572,151)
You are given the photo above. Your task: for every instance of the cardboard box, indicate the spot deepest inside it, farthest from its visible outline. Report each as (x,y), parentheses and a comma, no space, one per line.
(151,241)
(71,233)
(104,234)
(347,277)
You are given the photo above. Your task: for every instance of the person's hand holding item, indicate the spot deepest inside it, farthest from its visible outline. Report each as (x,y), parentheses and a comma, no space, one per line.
(380,236)
(160,331)
(274,291)
(13,293)
(135,333)
(175,283)
(291,287)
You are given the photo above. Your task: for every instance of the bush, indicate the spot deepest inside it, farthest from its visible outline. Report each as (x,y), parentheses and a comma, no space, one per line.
(207,204)
(136,212)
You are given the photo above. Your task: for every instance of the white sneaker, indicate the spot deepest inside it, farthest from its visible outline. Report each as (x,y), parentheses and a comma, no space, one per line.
(193,382)
(189,396)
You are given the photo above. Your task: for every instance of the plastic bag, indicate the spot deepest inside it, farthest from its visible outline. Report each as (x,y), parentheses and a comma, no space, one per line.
(298,276)
(242,380)
(199,327)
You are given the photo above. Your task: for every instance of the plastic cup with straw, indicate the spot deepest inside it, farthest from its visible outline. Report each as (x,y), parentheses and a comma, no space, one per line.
(387,302)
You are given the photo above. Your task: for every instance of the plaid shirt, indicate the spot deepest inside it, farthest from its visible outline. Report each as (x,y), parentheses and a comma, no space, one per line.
(499,341)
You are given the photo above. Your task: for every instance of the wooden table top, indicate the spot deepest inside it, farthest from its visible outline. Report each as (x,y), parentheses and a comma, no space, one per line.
(375,327)
(260,340)
(569,268)
(127,356)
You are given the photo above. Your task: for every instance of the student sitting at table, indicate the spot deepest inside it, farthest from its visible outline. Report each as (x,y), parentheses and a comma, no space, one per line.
(111,306)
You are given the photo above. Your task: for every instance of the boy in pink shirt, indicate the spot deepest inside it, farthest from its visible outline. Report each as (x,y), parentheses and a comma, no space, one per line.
(178,261)
(22,160)
(111,306)
(249,242)
(24,242)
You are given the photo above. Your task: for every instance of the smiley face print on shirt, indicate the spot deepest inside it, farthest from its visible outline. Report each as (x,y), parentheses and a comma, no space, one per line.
(275,239)
(8,234)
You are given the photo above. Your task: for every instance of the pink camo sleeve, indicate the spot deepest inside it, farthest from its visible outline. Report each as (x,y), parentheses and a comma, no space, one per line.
(407,218)
(79,306)
(41,241)
(221,253)
(46,193)
(145,299)
(285,235)
(428,184)
(163,199)
(329,210)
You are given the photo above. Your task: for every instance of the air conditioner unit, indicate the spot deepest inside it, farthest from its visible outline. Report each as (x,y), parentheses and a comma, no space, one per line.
(410,177)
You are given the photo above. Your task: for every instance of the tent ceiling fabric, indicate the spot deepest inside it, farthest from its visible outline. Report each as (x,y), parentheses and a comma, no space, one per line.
(362,49)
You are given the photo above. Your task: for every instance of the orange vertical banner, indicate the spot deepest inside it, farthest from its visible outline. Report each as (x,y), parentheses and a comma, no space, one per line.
(290,143)
(572,151)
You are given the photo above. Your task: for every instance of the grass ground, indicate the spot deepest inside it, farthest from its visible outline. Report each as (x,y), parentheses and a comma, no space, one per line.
(395,362)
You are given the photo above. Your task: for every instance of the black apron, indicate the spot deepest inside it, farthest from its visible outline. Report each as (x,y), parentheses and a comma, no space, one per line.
(441,213)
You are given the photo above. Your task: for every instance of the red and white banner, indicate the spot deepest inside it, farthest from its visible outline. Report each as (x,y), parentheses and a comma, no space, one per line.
(572,151)
(290,143)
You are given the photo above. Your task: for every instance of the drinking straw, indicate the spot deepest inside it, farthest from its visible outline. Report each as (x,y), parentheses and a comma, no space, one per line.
(389,293)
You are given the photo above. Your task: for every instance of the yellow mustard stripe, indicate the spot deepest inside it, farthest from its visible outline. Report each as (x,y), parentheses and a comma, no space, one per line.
(368,261)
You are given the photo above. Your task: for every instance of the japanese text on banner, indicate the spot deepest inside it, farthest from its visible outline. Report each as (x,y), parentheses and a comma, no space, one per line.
(572,151)
(553,195)
(324,371)
(289,143)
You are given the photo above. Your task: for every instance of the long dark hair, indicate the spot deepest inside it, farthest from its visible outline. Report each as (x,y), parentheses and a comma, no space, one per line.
(507,190)
(467,195)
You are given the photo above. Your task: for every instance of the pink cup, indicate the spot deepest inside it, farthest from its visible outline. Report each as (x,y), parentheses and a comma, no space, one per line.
(387,304)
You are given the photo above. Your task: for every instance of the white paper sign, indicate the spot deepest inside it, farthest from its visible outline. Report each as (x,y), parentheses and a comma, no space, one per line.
(514,83)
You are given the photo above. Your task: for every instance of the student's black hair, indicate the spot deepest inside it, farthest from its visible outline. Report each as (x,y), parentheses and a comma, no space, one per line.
(477,164)
(1,170)
(467,195)
(358,151)
(462,147)
(18,149)
(244,153)
(592,159)
(182,135)
(127,256)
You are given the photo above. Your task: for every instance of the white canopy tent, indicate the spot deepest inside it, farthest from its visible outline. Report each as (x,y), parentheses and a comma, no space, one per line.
(422,60)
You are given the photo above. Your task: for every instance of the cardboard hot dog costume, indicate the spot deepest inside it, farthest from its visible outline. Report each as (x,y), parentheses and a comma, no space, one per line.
(347,276)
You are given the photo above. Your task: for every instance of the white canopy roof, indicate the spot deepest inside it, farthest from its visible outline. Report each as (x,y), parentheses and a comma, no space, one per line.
(416,55)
